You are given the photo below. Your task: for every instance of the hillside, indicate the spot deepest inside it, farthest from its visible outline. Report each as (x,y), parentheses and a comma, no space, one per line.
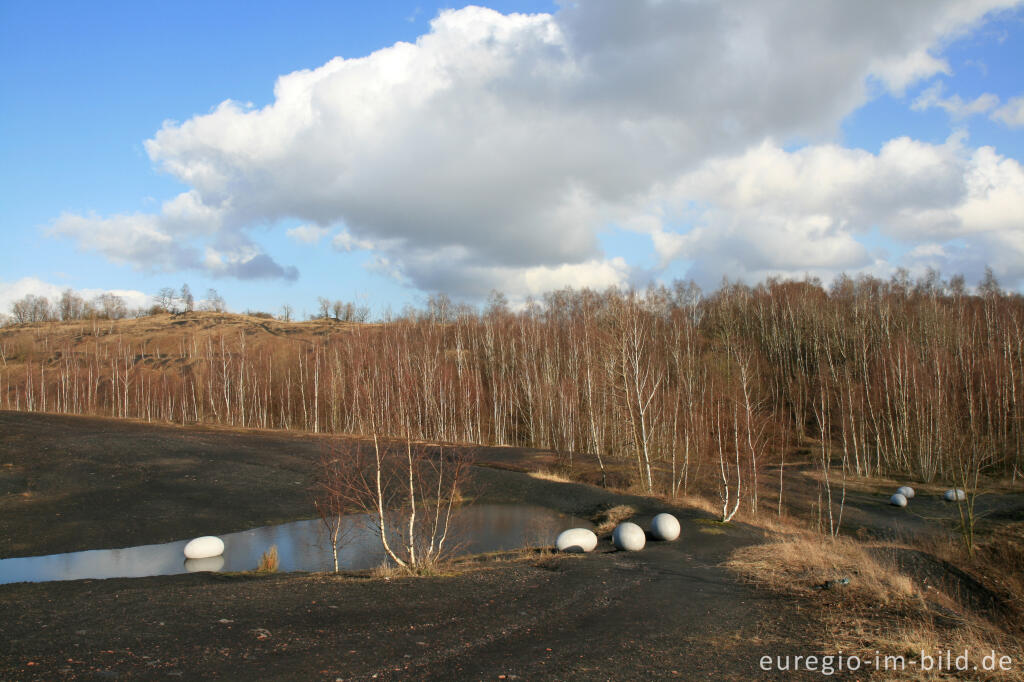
(156,336)
(150,367)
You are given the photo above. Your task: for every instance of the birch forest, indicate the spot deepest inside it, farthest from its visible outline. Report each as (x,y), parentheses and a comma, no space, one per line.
(672,389)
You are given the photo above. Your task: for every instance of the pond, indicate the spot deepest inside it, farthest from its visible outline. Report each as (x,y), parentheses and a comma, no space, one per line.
(301,546)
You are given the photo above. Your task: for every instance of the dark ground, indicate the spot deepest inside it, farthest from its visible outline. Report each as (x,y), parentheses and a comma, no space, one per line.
(71,483)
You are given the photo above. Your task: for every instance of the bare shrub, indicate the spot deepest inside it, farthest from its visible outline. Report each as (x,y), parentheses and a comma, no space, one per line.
(332,501)
(408,493)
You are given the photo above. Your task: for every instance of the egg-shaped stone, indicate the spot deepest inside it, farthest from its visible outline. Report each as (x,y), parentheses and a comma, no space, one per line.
(210,563)
(898,500)
(629,536)
(906,491)
(204,547)
(955,495)
(665,527)
(576,540)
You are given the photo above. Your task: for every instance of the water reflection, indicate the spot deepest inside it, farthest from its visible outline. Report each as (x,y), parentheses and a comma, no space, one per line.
(209,564)
(301,546)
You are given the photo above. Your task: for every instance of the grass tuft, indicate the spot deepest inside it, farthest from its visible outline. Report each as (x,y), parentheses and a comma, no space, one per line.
(428,569)
(606,519)
(268,562)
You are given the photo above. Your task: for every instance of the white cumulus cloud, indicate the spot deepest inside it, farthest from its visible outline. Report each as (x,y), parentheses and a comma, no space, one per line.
(1011,113)
(955,105)
(493,150)
(774,212)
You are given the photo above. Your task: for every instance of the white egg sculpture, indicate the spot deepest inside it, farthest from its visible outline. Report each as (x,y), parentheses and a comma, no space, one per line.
(906,491)
(665,527)
(210,563)
(955,495)
(629,536)
(204,547)
(898,500)
(576,540)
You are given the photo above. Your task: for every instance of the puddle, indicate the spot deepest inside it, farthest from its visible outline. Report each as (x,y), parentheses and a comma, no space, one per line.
(301,546)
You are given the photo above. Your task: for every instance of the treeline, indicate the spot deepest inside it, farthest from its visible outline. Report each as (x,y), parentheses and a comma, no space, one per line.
(694,391)
(70,306)
(107,306)
(167,300)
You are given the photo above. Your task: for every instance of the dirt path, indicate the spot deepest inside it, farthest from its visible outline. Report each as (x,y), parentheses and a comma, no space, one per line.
(669,611)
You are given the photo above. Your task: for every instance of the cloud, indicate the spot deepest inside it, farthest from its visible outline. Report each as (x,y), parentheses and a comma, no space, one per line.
(344,241)
(1011,113)
(246,262)
(14,291)
(138,239)
(774,212)
(162,243)
(307,234)
(897,74)
(595,274)
(955,106)
(454,269)
(496,147)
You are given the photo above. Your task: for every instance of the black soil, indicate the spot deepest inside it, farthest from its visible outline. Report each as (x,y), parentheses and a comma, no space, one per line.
(75,483)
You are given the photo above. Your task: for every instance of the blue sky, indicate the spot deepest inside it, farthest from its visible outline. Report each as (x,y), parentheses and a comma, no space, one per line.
(598,146)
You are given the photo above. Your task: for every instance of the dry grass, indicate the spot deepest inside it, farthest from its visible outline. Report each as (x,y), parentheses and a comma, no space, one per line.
(606,520)
(269,562)
(159,338)
(1002,554)
(426,569)
(546,475)
(536,556)
(910,638)
(702,503)
(881,609)
(803,563)
(387,571)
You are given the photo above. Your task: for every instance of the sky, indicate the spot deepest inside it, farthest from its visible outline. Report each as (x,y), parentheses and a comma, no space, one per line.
(383,152)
